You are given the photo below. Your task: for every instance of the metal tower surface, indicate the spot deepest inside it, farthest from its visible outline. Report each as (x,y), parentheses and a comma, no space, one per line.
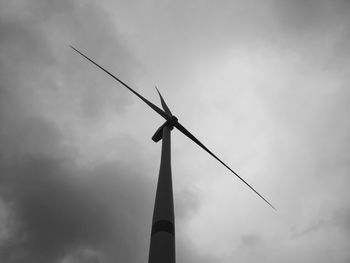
(162,246)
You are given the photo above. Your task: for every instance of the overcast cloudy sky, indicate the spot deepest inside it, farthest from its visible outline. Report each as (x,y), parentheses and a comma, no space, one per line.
(264,84)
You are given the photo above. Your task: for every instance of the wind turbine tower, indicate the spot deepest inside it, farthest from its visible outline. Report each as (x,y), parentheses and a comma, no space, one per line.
(162,245)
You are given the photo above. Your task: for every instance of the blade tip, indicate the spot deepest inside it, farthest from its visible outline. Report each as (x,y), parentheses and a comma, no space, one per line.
(74,48)
(157,89)
(274,208)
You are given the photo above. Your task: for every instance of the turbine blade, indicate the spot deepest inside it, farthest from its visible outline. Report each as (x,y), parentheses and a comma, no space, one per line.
(165,107)
(191,136)
(154,107)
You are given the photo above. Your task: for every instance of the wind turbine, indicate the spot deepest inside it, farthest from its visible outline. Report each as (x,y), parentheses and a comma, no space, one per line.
(162,245)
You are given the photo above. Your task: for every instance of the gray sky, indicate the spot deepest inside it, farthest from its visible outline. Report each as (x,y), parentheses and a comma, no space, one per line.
(264,84)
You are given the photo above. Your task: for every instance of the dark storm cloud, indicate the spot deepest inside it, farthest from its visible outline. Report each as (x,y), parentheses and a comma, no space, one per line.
(53,216)
(55,210)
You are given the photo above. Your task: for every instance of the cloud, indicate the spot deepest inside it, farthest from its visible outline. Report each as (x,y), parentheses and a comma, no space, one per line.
(37,60)
(57,210)
(251,241)
(273,77)
(52,208)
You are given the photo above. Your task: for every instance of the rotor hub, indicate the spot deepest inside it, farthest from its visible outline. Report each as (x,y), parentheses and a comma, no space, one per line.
(172,121)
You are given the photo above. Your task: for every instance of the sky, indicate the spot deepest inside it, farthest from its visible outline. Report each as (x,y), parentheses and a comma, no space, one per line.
(263,84)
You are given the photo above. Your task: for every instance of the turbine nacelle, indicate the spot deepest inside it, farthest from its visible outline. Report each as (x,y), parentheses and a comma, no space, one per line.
(158,135)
